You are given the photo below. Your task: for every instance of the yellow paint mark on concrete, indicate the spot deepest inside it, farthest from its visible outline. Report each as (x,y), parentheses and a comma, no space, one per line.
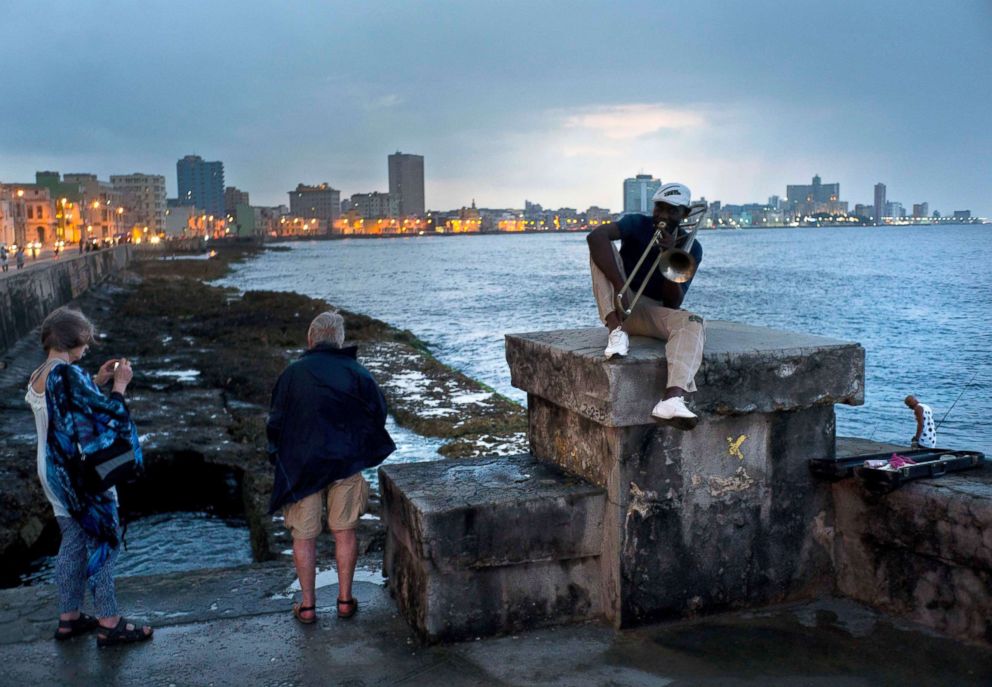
(734,446)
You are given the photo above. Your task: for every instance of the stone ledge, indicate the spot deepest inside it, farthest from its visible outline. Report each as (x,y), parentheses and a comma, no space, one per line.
(745,369)
(493,511)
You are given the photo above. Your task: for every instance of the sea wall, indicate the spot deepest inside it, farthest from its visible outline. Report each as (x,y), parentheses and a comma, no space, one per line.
(26,297)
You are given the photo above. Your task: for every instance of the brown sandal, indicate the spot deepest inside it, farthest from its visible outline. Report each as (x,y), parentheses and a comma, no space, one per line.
(298,610)
(350,604)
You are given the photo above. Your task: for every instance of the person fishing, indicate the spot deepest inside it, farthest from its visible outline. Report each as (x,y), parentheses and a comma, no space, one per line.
(926,430)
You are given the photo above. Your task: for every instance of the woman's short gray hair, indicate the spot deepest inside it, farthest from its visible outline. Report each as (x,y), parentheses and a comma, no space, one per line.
(327,328)
(65,329)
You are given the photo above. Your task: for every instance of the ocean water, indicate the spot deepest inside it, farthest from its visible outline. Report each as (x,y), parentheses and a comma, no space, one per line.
(919,299)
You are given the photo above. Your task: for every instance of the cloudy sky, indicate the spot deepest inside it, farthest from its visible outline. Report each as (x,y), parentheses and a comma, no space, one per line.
(554,102)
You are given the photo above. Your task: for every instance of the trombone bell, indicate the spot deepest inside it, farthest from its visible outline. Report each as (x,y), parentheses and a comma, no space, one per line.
(677,265)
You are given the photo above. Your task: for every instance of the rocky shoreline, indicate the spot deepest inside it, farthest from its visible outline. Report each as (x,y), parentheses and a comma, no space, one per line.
(205,360)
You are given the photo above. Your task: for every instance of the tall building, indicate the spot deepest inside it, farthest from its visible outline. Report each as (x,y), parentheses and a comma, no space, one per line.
(637,194)
(808,199)
(143,198)
(315,202)
(406,183)
(894,209)
(233,197)
(921,210)
(879,202)
(202,183)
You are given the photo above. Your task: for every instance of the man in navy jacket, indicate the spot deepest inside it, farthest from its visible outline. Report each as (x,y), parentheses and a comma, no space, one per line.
(326,424)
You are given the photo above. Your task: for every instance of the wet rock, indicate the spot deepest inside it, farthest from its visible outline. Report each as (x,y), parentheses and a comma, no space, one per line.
(205,361)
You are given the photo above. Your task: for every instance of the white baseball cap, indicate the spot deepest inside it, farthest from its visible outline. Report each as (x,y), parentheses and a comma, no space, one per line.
(673,194)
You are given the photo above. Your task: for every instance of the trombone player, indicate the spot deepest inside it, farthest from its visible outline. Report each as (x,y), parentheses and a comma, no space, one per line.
(657,312)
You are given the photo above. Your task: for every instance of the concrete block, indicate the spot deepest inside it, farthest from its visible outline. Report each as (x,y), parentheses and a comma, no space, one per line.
(720,517)
(488,545)
(745,369)
(923,551)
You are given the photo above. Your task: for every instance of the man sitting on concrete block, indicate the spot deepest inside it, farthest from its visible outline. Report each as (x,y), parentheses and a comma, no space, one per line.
(657,313)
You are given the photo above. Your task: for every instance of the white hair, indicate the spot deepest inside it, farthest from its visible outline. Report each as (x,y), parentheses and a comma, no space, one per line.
(327,327)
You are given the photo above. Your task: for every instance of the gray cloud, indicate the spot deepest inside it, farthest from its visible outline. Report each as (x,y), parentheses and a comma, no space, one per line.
(553,101)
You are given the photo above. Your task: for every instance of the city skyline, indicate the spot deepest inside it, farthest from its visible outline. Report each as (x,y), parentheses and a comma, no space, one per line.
(736,102)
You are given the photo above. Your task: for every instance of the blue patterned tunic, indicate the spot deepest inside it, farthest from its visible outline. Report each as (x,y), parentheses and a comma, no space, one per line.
(82,419)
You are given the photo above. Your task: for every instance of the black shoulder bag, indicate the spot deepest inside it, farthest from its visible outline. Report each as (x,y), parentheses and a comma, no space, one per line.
(106,467)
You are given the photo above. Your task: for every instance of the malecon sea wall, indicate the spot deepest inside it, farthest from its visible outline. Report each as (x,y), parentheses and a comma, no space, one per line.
(26,297)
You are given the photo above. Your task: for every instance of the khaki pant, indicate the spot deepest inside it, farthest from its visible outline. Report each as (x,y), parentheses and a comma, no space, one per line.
(347,500)
(681,330)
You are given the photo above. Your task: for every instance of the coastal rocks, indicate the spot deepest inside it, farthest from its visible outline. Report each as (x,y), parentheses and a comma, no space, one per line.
(205,360)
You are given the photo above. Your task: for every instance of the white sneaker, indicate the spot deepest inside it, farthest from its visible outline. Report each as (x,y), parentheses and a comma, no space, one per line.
(618,343)
(672,408)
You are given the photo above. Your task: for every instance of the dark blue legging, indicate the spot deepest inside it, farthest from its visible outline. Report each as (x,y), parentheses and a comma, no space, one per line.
(70,572)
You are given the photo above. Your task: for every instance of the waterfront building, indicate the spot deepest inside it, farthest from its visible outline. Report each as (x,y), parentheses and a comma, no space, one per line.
(143,199)
(921,210)
(201,183)
(100,207)
(315,202)
(406,183)
(895,210)
(467,221)
(637,194)
(814,198)
(596,215)
(179,219)
(234,196)
(295,225)
(29,214)
(374,205)
(879,202)
(962,214)
(865,211)
(267,218)
(775,202)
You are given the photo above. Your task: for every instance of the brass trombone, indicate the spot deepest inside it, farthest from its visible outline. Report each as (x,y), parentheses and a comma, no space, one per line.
(676,264)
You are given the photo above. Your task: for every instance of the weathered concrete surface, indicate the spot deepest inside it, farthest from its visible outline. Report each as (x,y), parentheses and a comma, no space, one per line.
(745,369)
(26,298)
(488,545)
(233,627)
(923,551)
(723,516)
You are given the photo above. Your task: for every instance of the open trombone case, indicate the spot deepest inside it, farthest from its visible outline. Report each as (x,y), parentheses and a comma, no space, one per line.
(927,463)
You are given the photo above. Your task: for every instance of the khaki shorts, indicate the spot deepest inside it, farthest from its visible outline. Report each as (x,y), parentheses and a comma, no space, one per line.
(347,500)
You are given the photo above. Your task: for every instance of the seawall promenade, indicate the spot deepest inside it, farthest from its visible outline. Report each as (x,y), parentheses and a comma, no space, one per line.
(28,295)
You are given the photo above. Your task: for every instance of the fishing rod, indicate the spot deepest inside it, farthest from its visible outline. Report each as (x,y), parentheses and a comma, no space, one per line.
(937,426)
(956,400)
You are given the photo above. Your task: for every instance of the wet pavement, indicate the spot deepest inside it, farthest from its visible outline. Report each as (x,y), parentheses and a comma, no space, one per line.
(233,627)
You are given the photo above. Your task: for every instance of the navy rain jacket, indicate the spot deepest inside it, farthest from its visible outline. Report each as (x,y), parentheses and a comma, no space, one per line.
(327,422)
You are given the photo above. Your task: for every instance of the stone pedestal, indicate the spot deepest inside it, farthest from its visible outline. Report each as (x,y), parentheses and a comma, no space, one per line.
(482,546)
(923,552)
(723,516)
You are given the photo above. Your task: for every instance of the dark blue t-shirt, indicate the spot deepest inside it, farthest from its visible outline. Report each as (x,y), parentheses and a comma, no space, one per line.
(635,235)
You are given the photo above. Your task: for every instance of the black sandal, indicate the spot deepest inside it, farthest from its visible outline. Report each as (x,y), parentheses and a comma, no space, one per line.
(350,603)
(81,625)
(121,635)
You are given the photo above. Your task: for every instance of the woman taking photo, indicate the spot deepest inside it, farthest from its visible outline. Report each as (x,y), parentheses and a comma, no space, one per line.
(73,417)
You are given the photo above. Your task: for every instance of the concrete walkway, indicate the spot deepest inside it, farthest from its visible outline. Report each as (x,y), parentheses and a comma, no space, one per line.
(233,627)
